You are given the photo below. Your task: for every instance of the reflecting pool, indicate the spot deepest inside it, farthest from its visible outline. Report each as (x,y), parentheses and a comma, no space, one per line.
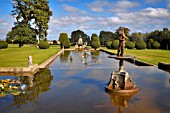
(77,85)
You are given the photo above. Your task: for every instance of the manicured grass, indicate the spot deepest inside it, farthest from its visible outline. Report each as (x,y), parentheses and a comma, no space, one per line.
(153,56)
(14,56)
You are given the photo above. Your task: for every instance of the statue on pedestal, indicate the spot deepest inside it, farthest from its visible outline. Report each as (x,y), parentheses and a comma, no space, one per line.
(80,41)
(29,61)
(122,41)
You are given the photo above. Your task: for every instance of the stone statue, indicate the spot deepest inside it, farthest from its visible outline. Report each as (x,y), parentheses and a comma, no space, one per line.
(80,41)
(29,61)
(122,41)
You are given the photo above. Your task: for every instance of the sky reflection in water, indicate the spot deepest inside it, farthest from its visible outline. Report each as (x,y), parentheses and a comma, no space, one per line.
(76,87)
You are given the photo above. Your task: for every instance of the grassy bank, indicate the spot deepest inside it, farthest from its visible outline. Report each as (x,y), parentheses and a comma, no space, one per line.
(152,56)
(18,57)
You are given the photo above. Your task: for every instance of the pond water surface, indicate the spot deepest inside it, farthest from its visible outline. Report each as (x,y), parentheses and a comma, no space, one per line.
(78,86)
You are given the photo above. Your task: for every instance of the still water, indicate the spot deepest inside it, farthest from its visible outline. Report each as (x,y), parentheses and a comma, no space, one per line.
(77,86)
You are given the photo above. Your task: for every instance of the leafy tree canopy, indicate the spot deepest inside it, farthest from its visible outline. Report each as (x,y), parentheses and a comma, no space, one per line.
(33,13)
(75,35)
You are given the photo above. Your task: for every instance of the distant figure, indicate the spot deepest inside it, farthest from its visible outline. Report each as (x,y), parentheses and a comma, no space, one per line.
(122,41)
(29,61)
(80,41)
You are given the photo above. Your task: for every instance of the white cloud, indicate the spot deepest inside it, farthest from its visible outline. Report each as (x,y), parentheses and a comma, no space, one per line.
(98,5)
(119,6)
(6,24)
(72,9)
(155,12)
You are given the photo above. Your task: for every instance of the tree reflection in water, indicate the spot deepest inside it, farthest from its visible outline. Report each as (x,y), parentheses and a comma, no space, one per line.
(36,84)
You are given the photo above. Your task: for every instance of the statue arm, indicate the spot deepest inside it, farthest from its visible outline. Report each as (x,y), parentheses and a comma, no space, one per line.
(124,36)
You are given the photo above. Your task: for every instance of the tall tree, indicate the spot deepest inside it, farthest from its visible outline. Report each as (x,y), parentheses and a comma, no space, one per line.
(75,35)
(106,36)
(136,36)
(22,33)
(64,40)
(34,13)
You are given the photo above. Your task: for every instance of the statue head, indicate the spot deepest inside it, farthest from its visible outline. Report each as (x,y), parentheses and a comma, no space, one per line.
(120,30)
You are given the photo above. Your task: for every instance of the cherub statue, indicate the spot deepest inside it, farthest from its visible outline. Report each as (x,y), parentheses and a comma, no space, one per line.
(122,41)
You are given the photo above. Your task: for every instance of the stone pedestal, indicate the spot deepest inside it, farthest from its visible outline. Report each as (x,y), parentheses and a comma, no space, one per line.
(121,81)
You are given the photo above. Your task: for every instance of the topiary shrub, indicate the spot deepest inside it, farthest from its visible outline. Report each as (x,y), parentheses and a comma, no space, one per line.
(3,44)
(108,44)
(64,40)
(115,44)
(140,44)
(130,44)
(156,45)
(95,43)
(43,44)
(66,43)
(150,44)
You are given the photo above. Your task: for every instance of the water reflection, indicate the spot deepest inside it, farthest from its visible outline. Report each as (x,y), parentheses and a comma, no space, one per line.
(120,100)
(36,85)
(64,57)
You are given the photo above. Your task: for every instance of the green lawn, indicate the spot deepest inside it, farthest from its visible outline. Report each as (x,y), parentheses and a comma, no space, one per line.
(14,56)
(152,56)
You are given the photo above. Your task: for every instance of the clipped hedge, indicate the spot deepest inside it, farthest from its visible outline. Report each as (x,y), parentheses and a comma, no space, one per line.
(43,44)
(3,44)
(66,43)
(140,44)
(108,45)
(130,44)
(156,45)
(150,44)
(115,44)
(95,43)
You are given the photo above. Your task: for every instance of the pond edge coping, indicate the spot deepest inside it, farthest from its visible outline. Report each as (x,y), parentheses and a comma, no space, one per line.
(29,70)
(141,63)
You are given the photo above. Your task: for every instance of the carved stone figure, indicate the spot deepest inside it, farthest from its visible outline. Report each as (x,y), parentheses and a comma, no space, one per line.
(29,61)
(122,41)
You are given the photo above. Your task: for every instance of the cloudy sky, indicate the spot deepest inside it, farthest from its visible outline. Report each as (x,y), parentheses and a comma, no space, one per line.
(92,16)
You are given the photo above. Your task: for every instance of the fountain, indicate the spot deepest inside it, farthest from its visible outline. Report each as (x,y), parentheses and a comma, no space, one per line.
(121,81)
(80,46)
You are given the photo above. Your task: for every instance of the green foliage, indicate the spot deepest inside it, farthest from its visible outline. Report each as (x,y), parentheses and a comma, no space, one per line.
(43,44)
(136,36)
(161,36)
(3,44)
(95,42)
(66,43)
(36,12)
(151,40)
(106,36)
(64,40)
(109,44)
(22,33)
(130,44)
(156,45)
(150,45)
(93,35)
(115,44)
(75,35)
(140,44)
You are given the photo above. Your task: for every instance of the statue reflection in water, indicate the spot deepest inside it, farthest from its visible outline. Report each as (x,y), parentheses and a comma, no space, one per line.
(120,100)
(94,58)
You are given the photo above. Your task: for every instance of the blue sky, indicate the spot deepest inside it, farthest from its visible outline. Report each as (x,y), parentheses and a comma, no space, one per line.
(93,16)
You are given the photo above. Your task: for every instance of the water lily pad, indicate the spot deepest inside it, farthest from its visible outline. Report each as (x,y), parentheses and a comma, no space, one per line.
(16,93)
